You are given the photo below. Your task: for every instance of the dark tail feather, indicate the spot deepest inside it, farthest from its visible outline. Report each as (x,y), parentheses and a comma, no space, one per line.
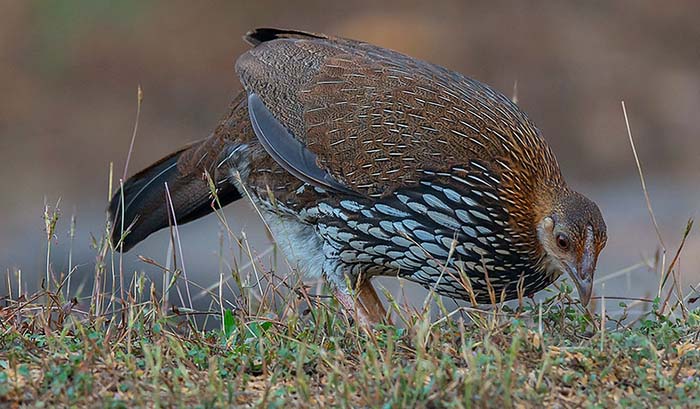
(146,208)
(263,34)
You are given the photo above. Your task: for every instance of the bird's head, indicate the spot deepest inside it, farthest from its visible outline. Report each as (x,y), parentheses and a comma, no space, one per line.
(572,234)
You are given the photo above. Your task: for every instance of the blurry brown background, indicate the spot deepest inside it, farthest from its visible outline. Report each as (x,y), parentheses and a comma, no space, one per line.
(69,73)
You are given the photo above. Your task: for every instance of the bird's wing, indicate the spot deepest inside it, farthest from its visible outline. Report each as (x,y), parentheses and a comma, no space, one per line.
(287,150)
(349,116)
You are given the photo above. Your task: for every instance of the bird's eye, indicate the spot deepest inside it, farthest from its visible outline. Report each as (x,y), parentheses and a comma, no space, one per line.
(562,241)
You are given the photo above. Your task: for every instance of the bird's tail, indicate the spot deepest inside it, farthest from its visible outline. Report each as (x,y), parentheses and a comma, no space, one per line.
(144,202)
(176,185)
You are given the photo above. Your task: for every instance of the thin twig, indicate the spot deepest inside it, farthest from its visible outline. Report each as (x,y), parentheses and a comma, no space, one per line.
(646,192)
(139,96)
(179,244)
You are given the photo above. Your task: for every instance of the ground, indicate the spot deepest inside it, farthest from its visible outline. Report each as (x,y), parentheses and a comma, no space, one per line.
(554,354)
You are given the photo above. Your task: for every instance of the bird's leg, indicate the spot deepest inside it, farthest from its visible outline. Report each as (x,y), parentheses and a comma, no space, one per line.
(370,302)
(351,307)
(367,308)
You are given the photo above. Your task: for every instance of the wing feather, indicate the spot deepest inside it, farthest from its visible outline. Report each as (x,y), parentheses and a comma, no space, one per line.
(287,150)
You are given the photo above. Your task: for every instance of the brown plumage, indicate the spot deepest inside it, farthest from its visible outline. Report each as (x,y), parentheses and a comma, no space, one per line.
(368,162)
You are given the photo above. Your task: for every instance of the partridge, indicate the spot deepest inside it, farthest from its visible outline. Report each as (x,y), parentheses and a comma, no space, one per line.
(366,162)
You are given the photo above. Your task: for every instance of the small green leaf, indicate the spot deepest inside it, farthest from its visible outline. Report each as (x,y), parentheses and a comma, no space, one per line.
(229,323)
(23,370)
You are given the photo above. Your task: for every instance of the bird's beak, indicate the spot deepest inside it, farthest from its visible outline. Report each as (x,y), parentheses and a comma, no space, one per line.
(582,273)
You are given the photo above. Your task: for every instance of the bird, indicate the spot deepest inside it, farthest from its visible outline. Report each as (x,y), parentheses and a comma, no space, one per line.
(366,162)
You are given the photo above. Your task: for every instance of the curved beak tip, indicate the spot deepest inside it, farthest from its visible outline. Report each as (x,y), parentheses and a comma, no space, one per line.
(585,290)
(583,285)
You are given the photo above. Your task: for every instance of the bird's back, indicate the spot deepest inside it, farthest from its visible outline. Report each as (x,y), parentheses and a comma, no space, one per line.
(377,118)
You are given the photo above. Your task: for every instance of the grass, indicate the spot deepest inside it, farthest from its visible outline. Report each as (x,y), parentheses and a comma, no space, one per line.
(58,355)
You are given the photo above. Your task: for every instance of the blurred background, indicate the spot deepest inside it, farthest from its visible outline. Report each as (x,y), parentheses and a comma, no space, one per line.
(69,72)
